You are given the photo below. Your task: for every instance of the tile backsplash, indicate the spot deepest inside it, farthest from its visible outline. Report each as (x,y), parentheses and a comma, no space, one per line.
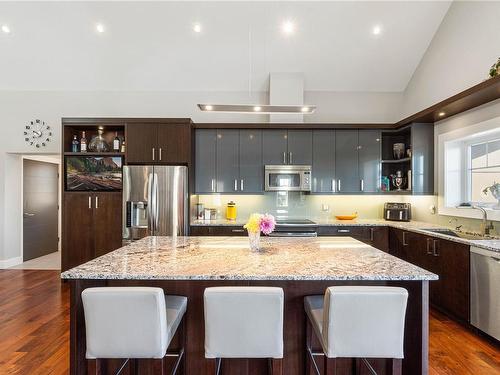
(300,205)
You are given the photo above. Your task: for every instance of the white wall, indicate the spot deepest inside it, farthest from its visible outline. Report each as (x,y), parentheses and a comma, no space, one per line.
(465,46)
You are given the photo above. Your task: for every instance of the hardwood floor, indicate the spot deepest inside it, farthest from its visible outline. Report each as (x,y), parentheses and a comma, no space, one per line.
(34,331)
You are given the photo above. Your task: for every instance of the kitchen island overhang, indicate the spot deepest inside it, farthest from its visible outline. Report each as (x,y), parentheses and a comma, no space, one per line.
(301,266)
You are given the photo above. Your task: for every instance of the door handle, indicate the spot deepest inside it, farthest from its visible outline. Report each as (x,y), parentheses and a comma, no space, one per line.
(213,184)
(96,202)
(333,184)
(28,214)
(429,252)
(290,156)
(150,202)
(90,202)
(235,184)
(153,150)
(404,239)
(362,184)
(284,157)
(435,249)
(159,152)
(338,183)
(241,185)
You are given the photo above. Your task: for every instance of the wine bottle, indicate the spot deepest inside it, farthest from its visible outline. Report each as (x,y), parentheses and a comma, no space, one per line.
(83,143)
(116,143)
(74,144)
(122,149)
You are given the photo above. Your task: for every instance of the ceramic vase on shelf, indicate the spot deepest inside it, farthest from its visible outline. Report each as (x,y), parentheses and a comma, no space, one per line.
(254,240)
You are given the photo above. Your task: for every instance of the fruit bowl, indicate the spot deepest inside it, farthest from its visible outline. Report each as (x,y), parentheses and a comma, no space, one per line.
(346,217)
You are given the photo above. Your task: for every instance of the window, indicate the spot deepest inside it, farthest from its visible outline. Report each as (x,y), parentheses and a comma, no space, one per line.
(483,170)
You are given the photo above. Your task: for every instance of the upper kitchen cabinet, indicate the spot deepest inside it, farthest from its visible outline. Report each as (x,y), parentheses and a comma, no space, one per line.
(287,147)
(323,161)
(300,147)
(346,161)
(275,147)
(227,154)
(422,141)
(205,160)
(251,166)
(369,160)
(158,142)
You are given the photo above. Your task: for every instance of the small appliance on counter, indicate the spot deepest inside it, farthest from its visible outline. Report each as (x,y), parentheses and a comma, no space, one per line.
(231,211)
(397,211)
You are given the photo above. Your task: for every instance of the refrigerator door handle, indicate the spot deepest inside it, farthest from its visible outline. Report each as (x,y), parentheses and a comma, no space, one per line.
(156,205)
(150,202)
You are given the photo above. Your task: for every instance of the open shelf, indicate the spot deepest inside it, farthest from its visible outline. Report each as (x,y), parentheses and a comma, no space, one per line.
(94,154)
(396,161)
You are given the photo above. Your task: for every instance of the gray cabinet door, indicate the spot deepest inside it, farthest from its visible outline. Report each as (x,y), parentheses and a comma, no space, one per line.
(300,147)
(228,172)
(346,161)
(251,167)
(369,160)
(422,143)
(274,147)
(323,161)
(205,160)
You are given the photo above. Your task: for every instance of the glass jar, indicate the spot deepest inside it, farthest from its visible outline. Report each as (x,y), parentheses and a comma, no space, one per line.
(98,144)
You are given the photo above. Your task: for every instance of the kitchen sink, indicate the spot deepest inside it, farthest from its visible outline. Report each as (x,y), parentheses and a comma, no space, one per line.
(454,233)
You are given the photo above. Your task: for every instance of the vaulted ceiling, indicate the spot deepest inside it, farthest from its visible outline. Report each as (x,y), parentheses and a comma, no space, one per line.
(153,46)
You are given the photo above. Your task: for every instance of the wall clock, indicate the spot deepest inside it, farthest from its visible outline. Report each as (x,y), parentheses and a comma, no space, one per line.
(37,133)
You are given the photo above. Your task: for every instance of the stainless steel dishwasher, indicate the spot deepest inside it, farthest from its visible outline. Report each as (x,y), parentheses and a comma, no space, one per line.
(485,290)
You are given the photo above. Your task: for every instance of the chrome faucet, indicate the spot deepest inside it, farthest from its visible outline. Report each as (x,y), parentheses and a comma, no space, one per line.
(485,227)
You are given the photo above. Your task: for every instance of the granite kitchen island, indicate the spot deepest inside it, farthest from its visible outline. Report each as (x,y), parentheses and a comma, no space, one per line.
(301,266)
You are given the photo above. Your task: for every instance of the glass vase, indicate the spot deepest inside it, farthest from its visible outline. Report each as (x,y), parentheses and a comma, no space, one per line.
(98,144)
(254,240)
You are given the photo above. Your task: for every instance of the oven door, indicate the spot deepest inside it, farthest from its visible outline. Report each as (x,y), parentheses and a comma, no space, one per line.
(287,178)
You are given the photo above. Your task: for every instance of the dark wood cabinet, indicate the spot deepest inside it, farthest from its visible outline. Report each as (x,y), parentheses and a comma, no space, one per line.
(376,236)
(448,259)
(92,224)
(158,143)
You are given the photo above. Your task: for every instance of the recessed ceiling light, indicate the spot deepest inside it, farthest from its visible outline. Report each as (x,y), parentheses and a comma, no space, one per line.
(6,29)
(208,107)
(197,28)
(257,108)
(288,27)
(100,28)
(441,114)
(377,30)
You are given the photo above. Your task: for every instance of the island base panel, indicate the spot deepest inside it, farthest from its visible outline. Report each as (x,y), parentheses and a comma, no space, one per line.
(294,363)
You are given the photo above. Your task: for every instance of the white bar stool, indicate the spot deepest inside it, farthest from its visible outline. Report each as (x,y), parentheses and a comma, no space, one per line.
(357,322)
(244,322)
(132,323)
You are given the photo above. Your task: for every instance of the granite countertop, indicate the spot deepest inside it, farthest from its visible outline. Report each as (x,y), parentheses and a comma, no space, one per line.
(492,244)
(229,258)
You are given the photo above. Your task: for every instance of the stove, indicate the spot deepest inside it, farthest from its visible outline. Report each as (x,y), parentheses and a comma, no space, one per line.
(295,228)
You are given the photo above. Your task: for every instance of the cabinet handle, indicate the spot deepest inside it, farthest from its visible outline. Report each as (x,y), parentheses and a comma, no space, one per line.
(237,230)
(338,183)
(241,184)
(96,202)
(90,202)
(333,184)
(213,185)
(435,249)
(429,252)
(290,158)
(404,239)
(372,230)
(362,185)
(153,151)
(160,153)
(235,184)
(343,231)
(284,157)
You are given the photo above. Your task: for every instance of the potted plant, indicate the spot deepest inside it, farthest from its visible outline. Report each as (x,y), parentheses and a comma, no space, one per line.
(256,224)
(495,191)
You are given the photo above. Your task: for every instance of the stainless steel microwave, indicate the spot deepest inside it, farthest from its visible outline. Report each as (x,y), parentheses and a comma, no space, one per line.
(288,178)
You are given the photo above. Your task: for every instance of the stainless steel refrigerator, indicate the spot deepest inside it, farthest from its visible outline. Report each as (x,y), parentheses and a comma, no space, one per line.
(155,201)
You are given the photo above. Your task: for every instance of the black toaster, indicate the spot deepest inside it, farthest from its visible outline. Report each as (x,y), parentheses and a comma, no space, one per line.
(397,211)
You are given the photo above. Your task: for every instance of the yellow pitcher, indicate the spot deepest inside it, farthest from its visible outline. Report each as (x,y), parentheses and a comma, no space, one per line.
(231,211)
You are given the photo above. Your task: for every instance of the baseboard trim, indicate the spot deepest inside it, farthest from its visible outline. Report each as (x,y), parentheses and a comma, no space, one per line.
(11,262)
